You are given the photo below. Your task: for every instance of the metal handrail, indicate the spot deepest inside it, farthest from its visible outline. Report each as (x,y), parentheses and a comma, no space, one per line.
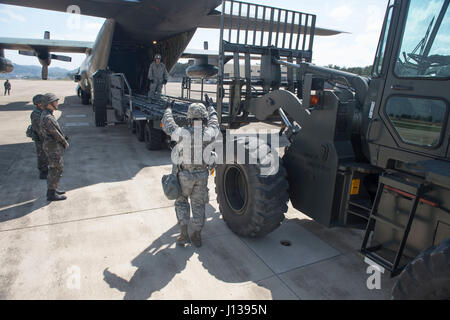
(130,92)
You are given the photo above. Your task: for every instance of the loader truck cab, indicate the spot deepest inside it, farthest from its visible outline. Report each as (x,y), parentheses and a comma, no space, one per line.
(370,153)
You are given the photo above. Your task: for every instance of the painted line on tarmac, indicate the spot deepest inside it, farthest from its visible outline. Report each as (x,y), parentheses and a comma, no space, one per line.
(86,219)
(76,116)
(77,124)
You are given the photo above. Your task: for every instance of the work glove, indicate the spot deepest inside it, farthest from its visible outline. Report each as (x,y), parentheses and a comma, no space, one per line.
(164,81)
(170,105)
(209,102)
(150,81)
(66,137)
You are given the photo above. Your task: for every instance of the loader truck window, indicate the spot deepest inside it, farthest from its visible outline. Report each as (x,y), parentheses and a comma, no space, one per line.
(425,49)
(417,121)
(379,59)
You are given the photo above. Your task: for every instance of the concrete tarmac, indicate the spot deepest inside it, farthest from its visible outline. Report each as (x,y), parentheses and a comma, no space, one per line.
(114,237)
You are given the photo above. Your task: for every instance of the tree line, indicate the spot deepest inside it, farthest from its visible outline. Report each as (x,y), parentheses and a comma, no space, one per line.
(362,71)
(179,70)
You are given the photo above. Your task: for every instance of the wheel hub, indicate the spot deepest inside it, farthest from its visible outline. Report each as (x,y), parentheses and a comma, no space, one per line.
(236,189)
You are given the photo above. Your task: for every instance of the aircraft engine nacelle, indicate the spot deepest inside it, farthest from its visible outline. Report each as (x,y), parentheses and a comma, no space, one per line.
(6,65)
(202,71)
(44,56)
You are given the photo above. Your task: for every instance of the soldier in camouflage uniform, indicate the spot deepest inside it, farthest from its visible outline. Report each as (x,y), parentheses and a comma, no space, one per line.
(54,145)
(157,76)
(7,85)
(192,175)
(35,116)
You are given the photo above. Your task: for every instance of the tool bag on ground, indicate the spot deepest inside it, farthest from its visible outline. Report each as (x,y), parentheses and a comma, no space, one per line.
(171,185)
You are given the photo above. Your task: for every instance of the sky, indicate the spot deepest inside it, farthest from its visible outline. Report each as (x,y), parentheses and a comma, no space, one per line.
(362,19)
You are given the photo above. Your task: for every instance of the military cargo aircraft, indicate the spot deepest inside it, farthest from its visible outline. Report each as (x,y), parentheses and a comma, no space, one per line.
(133,32)
(41,49)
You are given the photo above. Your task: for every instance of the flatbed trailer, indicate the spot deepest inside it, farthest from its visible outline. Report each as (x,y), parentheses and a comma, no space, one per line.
(111,91)
(142,115)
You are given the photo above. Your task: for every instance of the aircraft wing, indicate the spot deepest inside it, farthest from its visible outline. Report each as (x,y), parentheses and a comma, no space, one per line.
(95,8)
(45,44)
(210,55)
(212,21)
(197,53)
(114,8)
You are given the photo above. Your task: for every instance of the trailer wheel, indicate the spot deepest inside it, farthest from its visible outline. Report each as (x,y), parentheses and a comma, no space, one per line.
(131,124)
(426,277)
(252,204)
(140,130)
(152,137)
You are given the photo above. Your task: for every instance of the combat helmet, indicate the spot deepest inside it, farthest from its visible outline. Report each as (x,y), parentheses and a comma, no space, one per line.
(197,111)
(49,98)
(37,99)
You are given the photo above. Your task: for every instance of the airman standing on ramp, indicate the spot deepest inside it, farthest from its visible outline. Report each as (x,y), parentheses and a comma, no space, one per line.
(192,175)
(54,145)
(35,116)
(157,75)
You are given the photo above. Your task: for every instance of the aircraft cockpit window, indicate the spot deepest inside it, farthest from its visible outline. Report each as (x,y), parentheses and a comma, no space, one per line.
(425,49)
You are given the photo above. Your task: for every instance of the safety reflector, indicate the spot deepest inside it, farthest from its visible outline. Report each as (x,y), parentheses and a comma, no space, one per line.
(355,187)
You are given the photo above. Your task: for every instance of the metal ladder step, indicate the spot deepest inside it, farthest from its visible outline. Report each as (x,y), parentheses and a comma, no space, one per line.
(402,187)
(388,222)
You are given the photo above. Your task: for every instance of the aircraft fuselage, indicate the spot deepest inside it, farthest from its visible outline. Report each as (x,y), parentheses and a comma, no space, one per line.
(128,43)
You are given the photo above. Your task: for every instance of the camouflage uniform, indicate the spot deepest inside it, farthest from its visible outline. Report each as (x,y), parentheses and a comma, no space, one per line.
(193,177)
(7,85)
(42,160)
(54,145)
(158,73)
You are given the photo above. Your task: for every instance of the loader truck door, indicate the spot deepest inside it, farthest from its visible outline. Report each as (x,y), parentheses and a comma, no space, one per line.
(413,113)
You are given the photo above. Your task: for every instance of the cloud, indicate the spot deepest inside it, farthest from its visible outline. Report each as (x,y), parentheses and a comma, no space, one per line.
(341,13)
(86,31)
(92,26)
(374,16)
(10,16)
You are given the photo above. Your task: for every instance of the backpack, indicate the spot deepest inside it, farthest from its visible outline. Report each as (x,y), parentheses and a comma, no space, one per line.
(31,133)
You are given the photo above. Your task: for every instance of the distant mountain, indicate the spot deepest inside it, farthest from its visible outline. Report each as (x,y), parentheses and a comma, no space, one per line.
(34,72)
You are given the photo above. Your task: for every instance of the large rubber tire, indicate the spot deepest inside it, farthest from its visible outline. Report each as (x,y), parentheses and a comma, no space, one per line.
(140,130)
(85,98)
(153,137)
(252,204)
(427,277)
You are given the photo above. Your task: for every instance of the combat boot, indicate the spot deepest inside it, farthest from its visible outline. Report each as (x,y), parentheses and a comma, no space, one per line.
(52,196)
(60,191)
(184,237)
(43,175)
(196,239)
